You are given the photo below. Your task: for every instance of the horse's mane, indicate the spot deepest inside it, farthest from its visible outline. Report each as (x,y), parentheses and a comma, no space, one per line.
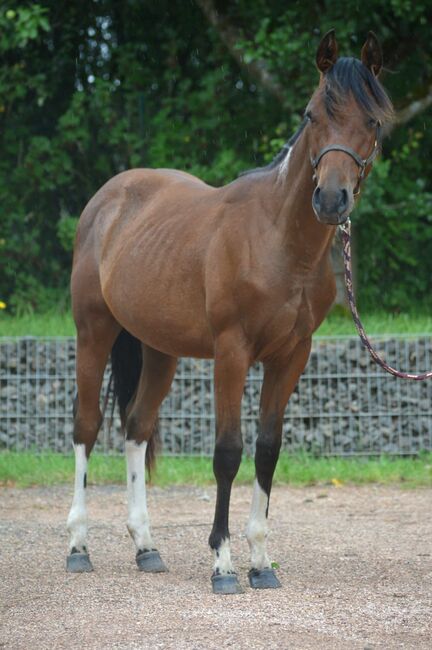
(280,157)
(348,76)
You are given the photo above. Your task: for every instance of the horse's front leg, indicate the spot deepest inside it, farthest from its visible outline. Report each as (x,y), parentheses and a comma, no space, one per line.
(231,366)
(279,382)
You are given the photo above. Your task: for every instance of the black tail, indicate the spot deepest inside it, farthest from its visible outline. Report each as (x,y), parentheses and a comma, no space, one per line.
(126,364)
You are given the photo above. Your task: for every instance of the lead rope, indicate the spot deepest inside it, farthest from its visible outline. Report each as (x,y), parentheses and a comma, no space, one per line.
(346,240)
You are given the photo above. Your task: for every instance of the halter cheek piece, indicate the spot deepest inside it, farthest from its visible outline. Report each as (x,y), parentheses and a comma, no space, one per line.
(361,162)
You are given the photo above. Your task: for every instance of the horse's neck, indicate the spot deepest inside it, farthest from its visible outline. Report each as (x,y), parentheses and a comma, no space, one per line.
(299,227)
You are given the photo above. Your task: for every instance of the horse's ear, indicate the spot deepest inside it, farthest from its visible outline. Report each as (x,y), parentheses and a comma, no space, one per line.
(371,54)
(327,52)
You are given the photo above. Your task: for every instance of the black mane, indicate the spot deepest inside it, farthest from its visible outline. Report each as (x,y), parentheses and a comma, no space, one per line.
(347,77)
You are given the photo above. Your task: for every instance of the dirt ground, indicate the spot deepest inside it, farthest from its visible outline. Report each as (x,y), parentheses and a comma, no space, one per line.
(355,563)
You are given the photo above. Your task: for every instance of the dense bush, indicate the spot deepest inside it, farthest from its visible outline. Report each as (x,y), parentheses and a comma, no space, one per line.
(89,88)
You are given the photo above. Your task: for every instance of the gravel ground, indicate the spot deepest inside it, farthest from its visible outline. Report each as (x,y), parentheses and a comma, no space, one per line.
(356,567)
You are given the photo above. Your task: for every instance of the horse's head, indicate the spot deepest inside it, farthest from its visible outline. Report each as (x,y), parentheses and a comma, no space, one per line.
(344,120)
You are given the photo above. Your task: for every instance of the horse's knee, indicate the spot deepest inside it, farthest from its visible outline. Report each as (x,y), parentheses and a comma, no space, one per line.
(227,458)
(86,429)
(267,451)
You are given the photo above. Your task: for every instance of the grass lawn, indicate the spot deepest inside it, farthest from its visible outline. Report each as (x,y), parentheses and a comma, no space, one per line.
(336,324)
(26,469)
(49,324)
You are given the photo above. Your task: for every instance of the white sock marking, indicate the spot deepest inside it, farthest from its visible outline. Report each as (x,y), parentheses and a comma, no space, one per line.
(257,529)
(77,519)
(223,562)
(138,520)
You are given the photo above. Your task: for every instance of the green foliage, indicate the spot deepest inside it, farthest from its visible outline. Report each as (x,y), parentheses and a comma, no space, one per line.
(394,226)
(88,89)
(66,229)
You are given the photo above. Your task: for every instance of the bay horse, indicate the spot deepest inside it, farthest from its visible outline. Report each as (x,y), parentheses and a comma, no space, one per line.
(166,266)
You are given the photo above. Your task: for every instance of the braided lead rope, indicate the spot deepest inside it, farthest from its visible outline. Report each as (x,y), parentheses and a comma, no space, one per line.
(346,231)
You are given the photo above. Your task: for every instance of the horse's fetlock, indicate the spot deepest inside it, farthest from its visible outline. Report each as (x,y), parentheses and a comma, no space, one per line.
(137,521)
(256,532)
(76,518)
(223,562)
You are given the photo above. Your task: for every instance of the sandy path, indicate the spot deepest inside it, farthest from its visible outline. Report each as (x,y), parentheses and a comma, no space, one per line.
(356,567)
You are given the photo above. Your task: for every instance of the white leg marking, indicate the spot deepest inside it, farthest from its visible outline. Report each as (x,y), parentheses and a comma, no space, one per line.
(77,519)
(223,562)
(257,529)
(138,521)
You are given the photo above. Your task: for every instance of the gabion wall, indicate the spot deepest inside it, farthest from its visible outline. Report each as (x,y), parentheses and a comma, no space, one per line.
(343,405)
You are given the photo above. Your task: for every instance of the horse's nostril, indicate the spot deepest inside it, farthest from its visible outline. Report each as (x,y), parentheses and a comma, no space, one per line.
(316,200)
(343,201)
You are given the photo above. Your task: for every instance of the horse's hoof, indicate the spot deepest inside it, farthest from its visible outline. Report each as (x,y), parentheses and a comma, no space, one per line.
(150,561)
(78,563)
(226,584)
(263,579)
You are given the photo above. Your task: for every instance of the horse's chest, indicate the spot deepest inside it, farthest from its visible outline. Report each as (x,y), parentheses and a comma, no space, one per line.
(292,318)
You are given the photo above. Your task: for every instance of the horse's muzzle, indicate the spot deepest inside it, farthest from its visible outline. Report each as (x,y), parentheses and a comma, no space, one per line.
(331,206)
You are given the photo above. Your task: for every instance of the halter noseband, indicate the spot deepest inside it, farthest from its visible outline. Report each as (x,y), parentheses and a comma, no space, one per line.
(361,162)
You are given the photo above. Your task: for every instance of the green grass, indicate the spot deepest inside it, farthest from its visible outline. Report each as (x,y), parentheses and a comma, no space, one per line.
(336,324)
(49,324)
(26,469)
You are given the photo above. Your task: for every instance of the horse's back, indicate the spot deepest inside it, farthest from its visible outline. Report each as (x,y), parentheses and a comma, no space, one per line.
(131,196)
(137,186)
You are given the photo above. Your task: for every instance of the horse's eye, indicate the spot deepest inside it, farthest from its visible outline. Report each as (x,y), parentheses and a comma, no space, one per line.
(372,123)
(308,116)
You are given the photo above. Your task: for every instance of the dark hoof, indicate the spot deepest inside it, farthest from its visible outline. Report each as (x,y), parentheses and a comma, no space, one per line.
(150,561)
(226,584)
(263,579)
(78,563)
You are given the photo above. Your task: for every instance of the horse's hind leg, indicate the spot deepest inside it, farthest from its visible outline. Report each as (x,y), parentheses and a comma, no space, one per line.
(231,366)
(95,338)
(279,382)
(157,373)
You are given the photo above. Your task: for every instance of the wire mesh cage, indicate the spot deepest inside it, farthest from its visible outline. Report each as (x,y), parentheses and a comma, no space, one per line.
(343,404)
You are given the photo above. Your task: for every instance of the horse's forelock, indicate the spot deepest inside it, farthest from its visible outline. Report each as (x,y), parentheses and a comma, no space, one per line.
(350,77)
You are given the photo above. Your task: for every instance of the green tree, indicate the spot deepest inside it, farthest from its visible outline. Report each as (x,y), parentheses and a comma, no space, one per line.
(91,88)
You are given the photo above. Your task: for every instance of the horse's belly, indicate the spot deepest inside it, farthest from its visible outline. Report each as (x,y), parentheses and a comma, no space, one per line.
(171,322)
(173,338)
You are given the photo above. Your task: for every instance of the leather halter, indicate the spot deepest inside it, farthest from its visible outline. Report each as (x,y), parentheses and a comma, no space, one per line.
(361,162)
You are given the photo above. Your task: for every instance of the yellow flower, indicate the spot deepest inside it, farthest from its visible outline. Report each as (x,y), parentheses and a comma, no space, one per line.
(2,305)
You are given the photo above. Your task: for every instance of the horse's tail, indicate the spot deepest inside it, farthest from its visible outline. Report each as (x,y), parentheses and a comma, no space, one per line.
(126,364)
